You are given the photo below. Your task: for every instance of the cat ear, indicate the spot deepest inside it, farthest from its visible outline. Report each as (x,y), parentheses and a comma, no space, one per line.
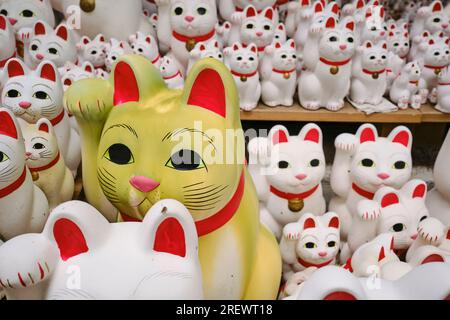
(169,228)
(45,125)
(369,44)
(437,6)
(335,8)
(382,12)
(202,47)
(448,234)
(305,3)
(311,132)
(368,13)
(350,25)
(15,68)
(85,40)
(253,48)
(277,45)
(318,7)
(209,85)
(402,135)
(291,43)
(381,255)
(389,199)
(281,27)
(425,34)
(391,34)
(88,67)
(62,32)
(278,134)
(384,45)
(216,44)
(2,22)
(331,23)
(101,38)
(360,4)
(334,221)
(148,39)
(39,28)
(415,189)
(236,46)
(309,223)
(392,244)
(47,70)
(431,42)
(8,125)
(367,133)
(268,13)
(250,11)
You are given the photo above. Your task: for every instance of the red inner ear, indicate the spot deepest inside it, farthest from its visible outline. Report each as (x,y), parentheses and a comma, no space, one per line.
(419,191)
(360,4)
(2,23)
(7,126)
(367,135)
(88,68)
(148,39)
(70,239)
(305,2)
(350,25)
(368,13)
(48,72)
(402,138)
(85,40)
(448,234)
(208,92)
(125,84)
(309,223)
(334,223)
(235,47)
(369,45)
(433,258)
(384,46)
(15,69)
(381,256)
(279,137)
(340,295)
(253,48)
(62,32)
(318,7)
(313,135)
(392,243)
(382,12)
(170,238)
(389,200)
(331,23)
(39,29)
(277,45)
(269,14)
(335,9)
(251,12)
(431,42)
(437,7)
(44,127)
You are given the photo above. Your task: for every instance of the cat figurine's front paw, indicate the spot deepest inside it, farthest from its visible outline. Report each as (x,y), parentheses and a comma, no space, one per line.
(368,210)
(431,230)
(346,142)
(292,231)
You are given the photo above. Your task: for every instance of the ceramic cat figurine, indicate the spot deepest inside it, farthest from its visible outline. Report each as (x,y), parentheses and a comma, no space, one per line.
(280,34)
(430,18)
(32,95)
(93,51)
(164,254)
(369,77)
(223,33)
(243,63)
(182,24)
(202,50)
(438,200)
(364,163)
(326,80)
(24,207)
(150,6)
(250,26)
(398,50)
(418,42)
(56,46)
(288,171)
(171,74)
(443,92)
(313,241)
(405,90)
(96,17)
(239,257)
(116,49)
(46,163)
(279,74)
(227,7)
(7,41)
(374,28)
(147,46)
(75,73)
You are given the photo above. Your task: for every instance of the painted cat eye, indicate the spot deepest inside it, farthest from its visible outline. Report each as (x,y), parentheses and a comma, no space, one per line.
(310,245)
(201,11)
(13,93)
(27,13)
(400,165)
(333,39)
(3,157)
(185,160)
(41,95)
(351,40)
(53,51)
(331,244)
(368,163)
(436,20)
(119,154)
(249,26)
(38,146)
(34,47)
(4,12)
(178,11)
(267,27)
(283,164)
(398,227)
(314,163)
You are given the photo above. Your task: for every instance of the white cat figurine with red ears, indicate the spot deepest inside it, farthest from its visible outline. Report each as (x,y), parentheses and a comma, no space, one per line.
(116,49)
(184,23)
(171,73)
(56,45)
(280,34)
(313,241)
(228,7)
(23,206)
(75,73)
(326,80)
(93,51)
(443,92)
(147,46)
(7,41)
(363,164)
(369,79)
(374,28)
(165,263)
(243,64)
(32,95)
(279,74)
(288,173)
(223,33)
(405,90)
(430,18)
(46,163)
(211,49)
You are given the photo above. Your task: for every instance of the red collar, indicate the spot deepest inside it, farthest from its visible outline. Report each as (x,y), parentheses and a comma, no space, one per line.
(238,9)
(218,220)
(363,193)
(373,72)
(58,118)
(246,75)
(291,196)
(434,67)
(51,164)
(156,59)
(414,82)
(444,83)
(15,185)
(284,71)
(173,76)
(3,62)
(335,63)
(308,265)
(184,38)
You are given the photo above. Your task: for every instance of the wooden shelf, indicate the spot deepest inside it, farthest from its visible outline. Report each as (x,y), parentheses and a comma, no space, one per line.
(427,114)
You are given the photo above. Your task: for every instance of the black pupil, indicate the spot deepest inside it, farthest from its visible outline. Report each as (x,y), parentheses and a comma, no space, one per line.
(201,11)
(266,27)
(38,146)
(283,56)
(315,163)
(372,58)
(395,44)
(436,53)
(400,165)
(2,157)
(53,51)
(374,28)
(13,93)
(119,154)
(94,52)
(250,26)
(350,40)
(4,12)
(437,20)
(239,58)
(331,244)
(41,95)
(178,11)
(283,164)
(34,47)
(367,163)
(251,59)
(310,245)
(398,227)
(27,13)
(185,160)
(333,39)
(114,58)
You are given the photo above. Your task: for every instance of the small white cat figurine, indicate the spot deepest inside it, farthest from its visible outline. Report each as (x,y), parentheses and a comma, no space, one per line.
(46,163)
(32,95)
(243,63)
(326,80)
(7,41)
(23,206)
(374,28)
(147,46)
(211,49)
(430,18)
(279,74)
(443,92)
(116,49)
(280,34)
(157,258)
(73,73)
(369,78)
(363,164)
(93,51)
(228,7)
(405,90)
(171,74)
(288,173)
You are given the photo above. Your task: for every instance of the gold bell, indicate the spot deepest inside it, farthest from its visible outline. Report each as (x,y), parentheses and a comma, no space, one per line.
(243,78)
(35,175)
(190,44)
(437,71)
(286,75)
(296,205)
(375,76)
(334,70)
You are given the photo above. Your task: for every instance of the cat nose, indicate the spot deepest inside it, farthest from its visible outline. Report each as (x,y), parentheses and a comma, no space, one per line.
(28,154)
(12,21)
(189,18)
(382,33)
(343,46)
(39,56)
(25,104)
(445,26)
(414,237)
(383,176)
(259,34)
(301,176)
(144,184)
(322,254)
